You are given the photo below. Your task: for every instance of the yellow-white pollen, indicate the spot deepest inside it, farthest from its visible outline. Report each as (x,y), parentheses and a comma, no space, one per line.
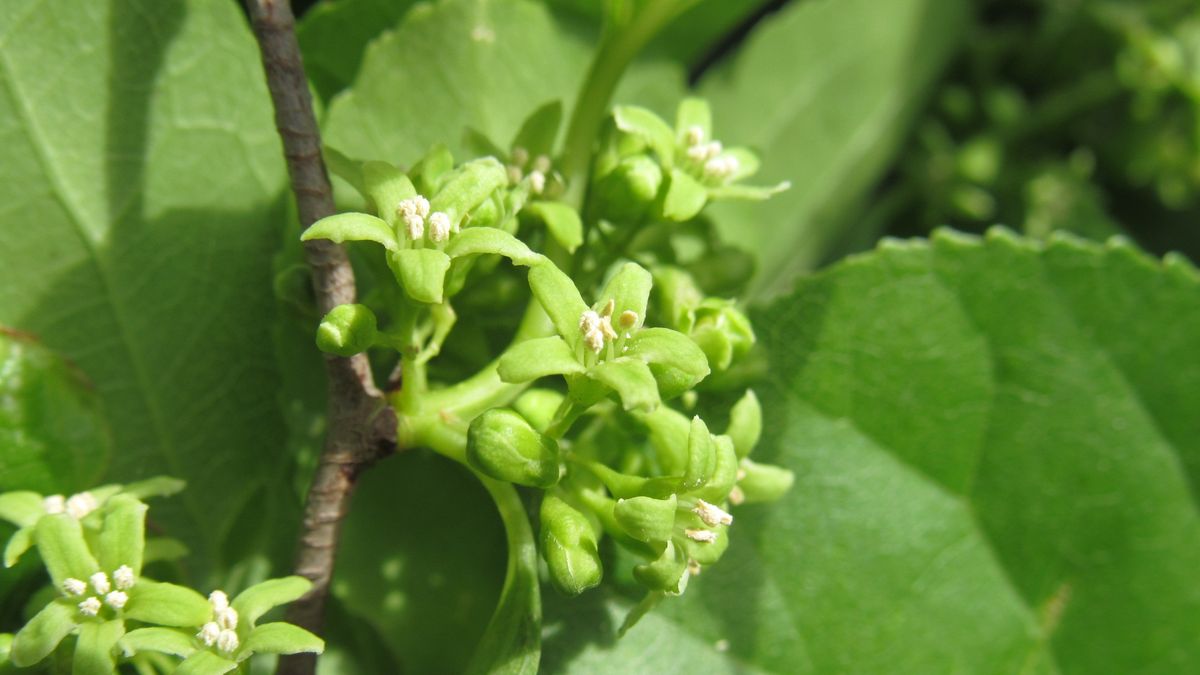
(711,514)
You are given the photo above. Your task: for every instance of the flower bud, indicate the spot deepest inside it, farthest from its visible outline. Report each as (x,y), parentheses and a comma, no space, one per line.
(669,573)
(569,547)
(763,482)
(346,330)
(646,518)
(627,192)
(538,406)
(745,424)
(501,444)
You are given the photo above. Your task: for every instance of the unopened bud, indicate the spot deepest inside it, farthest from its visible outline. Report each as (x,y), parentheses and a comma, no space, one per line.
(538,406)
(347,330)
(745,423)
(569,547)
(646,518)
(628,191)
(501,444)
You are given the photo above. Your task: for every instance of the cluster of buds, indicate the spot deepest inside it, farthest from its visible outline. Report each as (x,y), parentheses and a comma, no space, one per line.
(221,631)
(539,169)
(708,155)
(102,591)
(414,213)
(77,506)
(597,329)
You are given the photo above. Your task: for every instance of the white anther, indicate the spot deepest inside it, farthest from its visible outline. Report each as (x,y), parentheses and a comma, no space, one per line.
(697,153)
(116,599)
(218,600)
(123,578)
(414,226)
(520,156)
(694,135)
(227,618)
(693,567)
(594,340)
(100,583)
(711,514)
(208,633)
(90,607)
(54,504)
(589,321)
(514,174)
(721,167)
(542,163)
(702,536)
(81,504)
(736,496)
(73,586)
(628,319)
(439,226)
(537,182)
(713,149)
(606,328)
(422,206)
(227,641)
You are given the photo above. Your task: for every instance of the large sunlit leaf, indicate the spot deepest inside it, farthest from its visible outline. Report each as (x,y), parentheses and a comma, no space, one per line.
(137,175)
(827,90)
(995,453)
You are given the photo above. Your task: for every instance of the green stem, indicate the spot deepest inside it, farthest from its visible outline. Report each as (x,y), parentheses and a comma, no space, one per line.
(617,48)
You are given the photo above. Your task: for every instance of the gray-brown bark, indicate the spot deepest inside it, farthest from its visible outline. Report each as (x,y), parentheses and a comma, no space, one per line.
(362,427)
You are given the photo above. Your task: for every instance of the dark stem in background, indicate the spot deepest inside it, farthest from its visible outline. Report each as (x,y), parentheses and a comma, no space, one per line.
(362,427)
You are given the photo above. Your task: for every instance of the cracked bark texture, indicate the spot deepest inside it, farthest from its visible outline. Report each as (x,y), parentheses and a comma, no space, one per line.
(362,427)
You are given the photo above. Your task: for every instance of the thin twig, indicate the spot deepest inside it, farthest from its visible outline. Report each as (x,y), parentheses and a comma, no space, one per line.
(362,427)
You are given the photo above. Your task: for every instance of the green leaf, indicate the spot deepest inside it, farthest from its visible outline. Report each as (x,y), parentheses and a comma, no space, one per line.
(557,295)
(1006,428)
(154,639)
(60,542)
(452,65)
(650,128)
(42,634)
(788,93)
(421,271)
(205,663)
(344,227)
(631,379)
(536,358)
(693,112)
(262,597)
(477,240)
(93,649)
(157,211)
(629,289)
(675,361)
(282,638)
(166,604)
(684,197)
(21,508)
(387,186)
(562,222)
(53,434)
(334,35)
(123,536)
(468,186)
(540,129)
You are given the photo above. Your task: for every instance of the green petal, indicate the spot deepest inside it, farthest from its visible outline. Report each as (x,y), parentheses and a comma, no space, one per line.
(468,186)
(693,112)
(631,379)
(702,455)
(745,423)
(166,604)
(645,518)
(260,598)
(629,289)
(42,634)
(562,222)
(162,640)
(281,638)
(650,128)
(60,542)
(386,186)
(536,358)
(94,648)
(158,486)
(685,196)
(205,663)
(540,129)
(477,240)
(123,537)
(20,542)
(748,192)
(422,272)
(21,508)
(559,298)
(677,363)
(352,227)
